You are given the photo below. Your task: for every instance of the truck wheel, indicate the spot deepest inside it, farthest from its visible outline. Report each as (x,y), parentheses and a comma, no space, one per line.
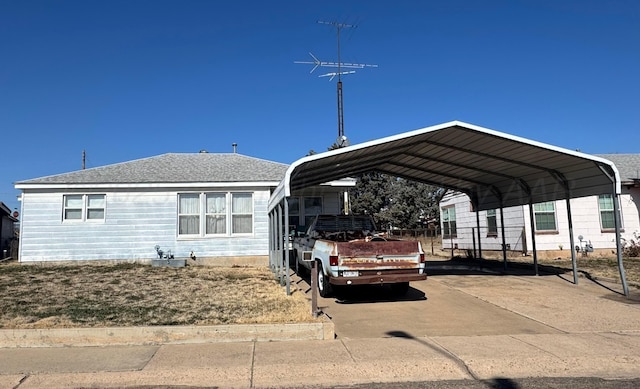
(400,288)
(324,287)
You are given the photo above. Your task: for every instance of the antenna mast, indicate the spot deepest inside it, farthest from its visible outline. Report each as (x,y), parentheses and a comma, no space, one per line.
(339,26)
(342,140)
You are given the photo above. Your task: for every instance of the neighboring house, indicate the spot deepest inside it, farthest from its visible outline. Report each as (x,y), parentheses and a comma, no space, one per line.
(213,205)
(592,219)
(7,231)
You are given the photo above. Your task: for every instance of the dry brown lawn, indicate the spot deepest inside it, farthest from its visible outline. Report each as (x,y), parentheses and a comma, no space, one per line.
(135,294)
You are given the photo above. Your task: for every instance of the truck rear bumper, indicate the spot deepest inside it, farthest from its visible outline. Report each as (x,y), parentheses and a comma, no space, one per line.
(377,279)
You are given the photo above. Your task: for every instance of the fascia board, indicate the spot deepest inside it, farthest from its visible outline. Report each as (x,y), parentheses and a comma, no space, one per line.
(151,185)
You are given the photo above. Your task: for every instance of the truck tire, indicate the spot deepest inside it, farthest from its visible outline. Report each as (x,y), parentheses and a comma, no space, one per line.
(324,287)
(400,288)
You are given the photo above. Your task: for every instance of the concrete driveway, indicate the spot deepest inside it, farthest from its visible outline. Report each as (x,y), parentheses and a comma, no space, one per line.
(483,304)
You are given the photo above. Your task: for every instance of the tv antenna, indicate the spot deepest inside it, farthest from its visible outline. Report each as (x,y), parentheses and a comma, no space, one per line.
(339,65)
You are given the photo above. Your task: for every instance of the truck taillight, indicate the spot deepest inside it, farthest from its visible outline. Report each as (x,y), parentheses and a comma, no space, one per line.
(333,260)
(422,258)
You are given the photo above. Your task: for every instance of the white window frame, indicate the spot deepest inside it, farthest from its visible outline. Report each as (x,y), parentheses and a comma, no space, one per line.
(610,210)
(189,214)
(225,213)
(234,213)
(447,221)
(541,212)
(228,213)
(84,208)
(492,228)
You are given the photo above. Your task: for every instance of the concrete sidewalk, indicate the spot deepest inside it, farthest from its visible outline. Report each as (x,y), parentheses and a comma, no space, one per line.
(325,363)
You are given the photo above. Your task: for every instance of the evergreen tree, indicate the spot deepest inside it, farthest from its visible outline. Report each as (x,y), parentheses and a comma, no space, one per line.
(396,202)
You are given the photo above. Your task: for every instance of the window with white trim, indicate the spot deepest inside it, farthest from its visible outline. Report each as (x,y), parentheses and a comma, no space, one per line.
(545,216)
(492,223)
(605,206)
(189,214)
(241,213)
(449,222)
(215,214)
(84,207)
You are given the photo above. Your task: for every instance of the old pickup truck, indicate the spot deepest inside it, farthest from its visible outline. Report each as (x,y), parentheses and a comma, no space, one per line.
(347,250)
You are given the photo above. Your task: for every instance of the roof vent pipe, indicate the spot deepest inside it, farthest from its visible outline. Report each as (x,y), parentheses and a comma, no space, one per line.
(235,147)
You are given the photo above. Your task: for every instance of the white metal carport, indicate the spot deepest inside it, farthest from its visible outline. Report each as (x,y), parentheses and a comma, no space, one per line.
(496,170)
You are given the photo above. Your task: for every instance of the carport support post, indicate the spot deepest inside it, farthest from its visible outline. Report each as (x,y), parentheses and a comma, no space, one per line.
(533,235)
(571,240)
(271,240)
(279,242)
(504,238)
(287,249)
(478,225)
(616,219)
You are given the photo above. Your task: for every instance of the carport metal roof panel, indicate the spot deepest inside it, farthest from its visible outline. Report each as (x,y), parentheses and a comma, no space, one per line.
(494,168)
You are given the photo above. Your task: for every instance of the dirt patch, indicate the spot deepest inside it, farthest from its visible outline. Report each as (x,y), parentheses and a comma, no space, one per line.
(136,294)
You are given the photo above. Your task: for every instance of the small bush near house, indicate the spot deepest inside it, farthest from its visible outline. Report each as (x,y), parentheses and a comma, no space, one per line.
(90,295)
(632,249)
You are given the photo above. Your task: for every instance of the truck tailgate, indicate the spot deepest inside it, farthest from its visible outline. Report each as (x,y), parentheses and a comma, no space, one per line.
(385,254)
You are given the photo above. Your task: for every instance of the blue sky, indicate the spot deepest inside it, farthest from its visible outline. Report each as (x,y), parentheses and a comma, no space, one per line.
(125,80)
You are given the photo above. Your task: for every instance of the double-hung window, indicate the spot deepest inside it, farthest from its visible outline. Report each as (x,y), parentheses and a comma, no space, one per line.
(84,207)
(492,223)
(242,213)
(215,214)
(189,214)
(545,216)
(605,205)
(449,222)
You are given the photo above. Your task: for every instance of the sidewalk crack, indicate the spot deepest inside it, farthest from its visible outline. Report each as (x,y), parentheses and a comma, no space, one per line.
(22,380)
(348,351)
(253,360)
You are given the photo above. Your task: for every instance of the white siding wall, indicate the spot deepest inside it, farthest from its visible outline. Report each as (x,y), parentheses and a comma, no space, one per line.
(466,226)
(585,216)
(135,223)
(586,222)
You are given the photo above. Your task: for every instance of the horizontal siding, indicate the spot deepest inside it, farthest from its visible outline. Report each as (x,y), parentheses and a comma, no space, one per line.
(585,217)
(134,224)
(466,226)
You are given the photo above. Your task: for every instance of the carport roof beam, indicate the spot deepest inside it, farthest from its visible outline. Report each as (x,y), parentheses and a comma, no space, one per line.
(468,144)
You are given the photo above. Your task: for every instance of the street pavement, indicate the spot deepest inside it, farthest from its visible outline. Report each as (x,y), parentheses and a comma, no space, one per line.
(491,330)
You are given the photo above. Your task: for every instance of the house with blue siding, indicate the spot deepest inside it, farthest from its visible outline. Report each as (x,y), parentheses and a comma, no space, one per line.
(209,206)
(593,220)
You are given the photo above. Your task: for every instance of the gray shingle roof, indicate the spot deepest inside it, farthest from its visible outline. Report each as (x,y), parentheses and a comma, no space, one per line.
(175,168)
(628,165)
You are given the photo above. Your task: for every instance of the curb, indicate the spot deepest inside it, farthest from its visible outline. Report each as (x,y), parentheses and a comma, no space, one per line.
(156,335)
